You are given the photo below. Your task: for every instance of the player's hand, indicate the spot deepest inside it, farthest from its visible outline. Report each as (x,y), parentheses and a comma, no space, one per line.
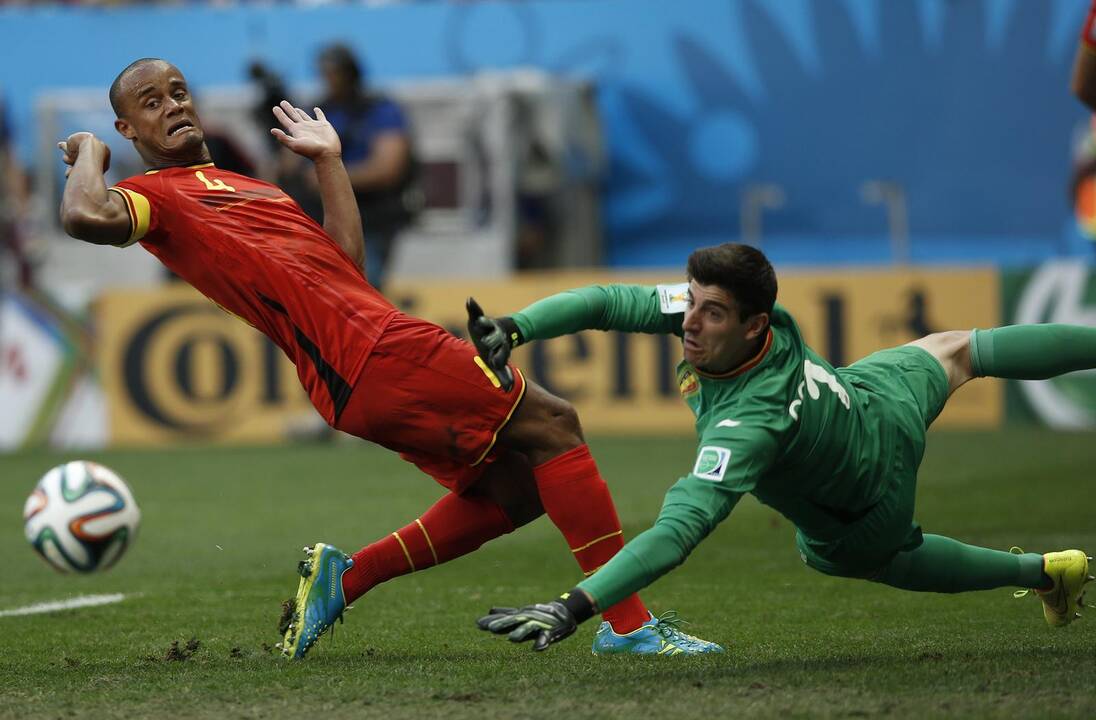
(544,623)
(70,149)
(492,338)
(303,135)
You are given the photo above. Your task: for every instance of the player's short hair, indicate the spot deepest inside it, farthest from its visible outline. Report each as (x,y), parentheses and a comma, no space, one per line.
(742,271)
(116,86)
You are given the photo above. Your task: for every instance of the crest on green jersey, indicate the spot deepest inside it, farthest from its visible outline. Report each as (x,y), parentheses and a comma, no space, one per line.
(712,462)
(687,382)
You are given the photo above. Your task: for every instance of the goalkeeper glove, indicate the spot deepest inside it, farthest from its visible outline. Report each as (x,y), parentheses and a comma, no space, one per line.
(546,622)
(493,338)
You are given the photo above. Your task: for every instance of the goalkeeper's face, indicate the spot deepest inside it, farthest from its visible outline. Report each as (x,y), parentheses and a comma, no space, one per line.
(716,339)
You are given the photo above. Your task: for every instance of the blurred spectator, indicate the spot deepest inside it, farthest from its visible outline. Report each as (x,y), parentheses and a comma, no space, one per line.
(1083,183)
(15,268)
(538,185)
(377,151)
(289,172)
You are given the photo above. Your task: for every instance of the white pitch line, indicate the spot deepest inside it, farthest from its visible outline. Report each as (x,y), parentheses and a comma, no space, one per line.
(79,601)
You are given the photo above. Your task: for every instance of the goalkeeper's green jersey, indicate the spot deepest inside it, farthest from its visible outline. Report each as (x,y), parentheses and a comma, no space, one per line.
(784,426)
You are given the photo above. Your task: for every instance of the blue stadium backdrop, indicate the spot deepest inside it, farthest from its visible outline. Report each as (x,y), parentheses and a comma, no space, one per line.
(962,102)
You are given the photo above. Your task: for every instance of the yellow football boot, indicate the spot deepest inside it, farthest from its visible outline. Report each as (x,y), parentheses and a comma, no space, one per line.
(1068,570)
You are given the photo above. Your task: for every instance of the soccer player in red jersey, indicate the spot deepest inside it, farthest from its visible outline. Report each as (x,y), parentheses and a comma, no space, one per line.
(506,449)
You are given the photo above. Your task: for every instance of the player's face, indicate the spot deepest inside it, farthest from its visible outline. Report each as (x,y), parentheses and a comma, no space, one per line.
(159,114)
(716,340)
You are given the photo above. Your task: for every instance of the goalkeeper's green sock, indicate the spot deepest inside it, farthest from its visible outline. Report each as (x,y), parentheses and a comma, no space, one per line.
(941,564)
(1032,352)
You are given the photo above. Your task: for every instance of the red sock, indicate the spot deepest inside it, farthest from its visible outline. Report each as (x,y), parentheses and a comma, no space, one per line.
(452,527)
(577,501)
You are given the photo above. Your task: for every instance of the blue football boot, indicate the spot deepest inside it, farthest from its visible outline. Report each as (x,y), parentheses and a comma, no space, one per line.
(657,636)
(319,602)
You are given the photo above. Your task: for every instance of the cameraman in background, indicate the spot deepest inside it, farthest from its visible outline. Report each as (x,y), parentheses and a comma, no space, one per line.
(288,172)
(377,150)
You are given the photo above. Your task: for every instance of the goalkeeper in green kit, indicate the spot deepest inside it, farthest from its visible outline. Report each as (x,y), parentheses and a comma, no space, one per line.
(835,451)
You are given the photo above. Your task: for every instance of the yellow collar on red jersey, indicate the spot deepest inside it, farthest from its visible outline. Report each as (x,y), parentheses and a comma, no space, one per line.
(199,166)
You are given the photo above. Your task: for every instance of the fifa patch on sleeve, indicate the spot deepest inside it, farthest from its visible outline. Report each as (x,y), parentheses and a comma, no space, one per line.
(673,299)
(711,463)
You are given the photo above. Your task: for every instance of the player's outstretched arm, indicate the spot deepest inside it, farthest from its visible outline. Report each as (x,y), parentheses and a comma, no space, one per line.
(692,509)
(317,140)
(89,211)
(625,308)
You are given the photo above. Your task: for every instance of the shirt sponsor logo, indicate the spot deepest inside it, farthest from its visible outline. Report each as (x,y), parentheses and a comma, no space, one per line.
(673,299)
(711,463)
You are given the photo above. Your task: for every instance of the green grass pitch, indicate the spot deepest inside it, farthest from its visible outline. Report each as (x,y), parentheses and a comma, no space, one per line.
(222,532)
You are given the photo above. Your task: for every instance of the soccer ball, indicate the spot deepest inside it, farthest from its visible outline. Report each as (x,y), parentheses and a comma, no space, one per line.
(81,517)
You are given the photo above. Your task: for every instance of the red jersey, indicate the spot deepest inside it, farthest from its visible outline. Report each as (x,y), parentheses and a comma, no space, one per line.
(249,247)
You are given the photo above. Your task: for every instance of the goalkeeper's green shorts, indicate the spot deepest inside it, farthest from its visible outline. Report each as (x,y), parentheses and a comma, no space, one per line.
(909,389)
